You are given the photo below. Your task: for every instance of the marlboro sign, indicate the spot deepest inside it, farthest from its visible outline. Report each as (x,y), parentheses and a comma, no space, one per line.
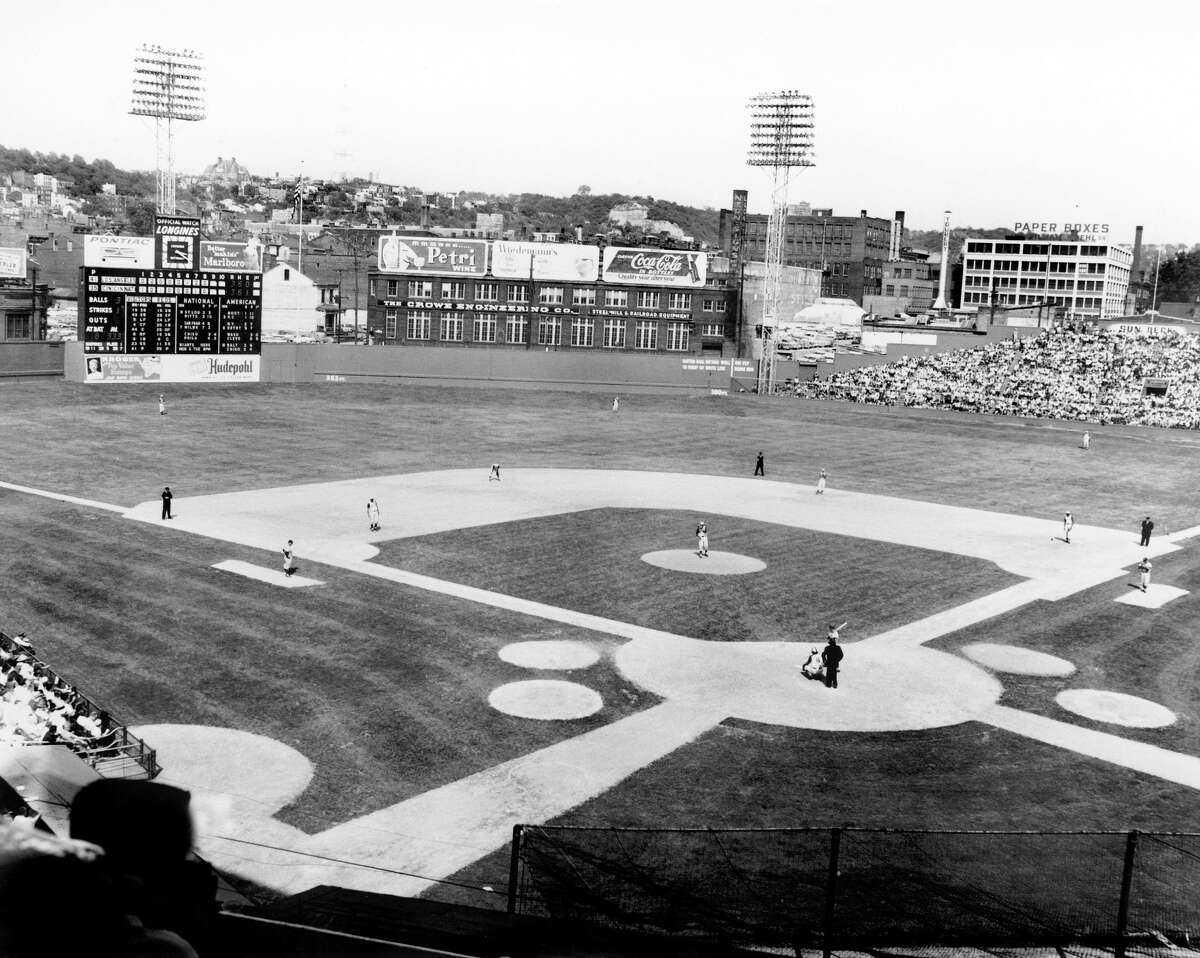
(652,267)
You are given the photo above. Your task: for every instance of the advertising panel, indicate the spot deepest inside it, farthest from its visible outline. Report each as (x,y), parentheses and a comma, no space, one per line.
(567,262)
(425,254)
(124,368)
(128,252)
(231,257)
(158,312)
(655,267)
(12,261)
(177,242)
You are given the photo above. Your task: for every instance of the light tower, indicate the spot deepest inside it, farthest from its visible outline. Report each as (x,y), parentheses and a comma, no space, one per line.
(167,86)
(940,302)
(781,137)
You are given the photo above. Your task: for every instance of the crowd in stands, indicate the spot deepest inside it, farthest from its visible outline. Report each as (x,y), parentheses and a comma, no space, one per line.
(36,705)
(1089,375)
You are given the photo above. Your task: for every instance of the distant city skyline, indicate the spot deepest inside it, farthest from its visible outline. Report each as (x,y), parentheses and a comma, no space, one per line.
(1033,112)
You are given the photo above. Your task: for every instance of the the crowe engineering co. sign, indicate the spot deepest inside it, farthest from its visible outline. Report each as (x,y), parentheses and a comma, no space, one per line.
(559,262)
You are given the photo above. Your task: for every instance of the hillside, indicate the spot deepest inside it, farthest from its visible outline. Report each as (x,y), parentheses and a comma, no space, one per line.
(82,177)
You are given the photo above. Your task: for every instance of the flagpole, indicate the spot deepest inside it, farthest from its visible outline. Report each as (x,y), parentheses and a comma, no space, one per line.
(300,256)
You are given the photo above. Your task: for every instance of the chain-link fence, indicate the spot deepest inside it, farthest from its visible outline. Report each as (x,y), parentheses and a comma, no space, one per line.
(842,889)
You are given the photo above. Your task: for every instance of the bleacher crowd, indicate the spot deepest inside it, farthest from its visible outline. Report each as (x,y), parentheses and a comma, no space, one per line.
(36,705)
(1087,375)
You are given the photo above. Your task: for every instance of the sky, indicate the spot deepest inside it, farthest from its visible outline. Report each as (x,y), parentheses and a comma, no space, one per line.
(1002,112)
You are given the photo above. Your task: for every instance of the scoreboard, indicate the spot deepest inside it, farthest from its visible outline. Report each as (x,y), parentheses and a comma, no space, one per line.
(131,311)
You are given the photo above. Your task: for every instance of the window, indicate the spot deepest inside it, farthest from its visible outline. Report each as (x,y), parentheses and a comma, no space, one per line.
(583,297)
(903,290)
(679,336)
(582,332)
(616,297)
(549,331)
(370,287)
(393,289)
(516,329)
(486,292)
(518,294)
(1008,247)
(19,326)
(708,305)
(453,289)
(485,329)
(646,335)
(419,287)
(647,299)
(550,295)
(714,330)
(681,300)
(452,328)
(890,290)
(389,324)
(614,334)
(418,324)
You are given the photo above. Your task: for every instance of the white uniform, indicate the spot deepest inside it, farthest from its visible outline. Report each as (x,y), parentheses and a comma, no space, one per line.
(1144,567)
(1068,525)
(1087,439)
(162,405)
(373,515)
(821,483)
(702,539)
(616,403)
(495,473)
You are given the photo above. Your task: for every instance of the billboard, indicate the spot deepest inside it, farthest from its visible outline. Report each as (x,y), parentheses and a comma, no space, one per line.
(158,312)
(177,242)
(425,254)
(551,261)
(655,267)
(130,252)
(172,369)
(231,257)
(12,261)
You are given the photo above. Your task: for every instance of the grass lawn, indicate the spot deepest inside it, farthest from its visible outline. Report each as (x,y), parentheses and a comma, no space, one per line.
(385,688)
(811,578)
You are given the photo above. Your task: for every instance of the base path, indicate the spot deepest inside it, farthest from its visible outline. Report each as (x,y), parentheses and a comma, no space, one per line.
(893,681)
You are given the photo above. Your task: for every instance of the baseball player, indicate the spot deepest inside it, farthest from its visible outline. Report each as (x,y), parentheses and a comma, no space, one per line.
(289,559)
(495,473)
(702,539)
(821,483)
(1068,525)
(162,404)
(1145,567)
(373,514)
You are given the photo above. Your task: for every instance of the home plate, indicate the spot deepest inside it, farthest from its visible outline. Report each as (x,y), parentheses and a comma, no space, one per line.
(1155,596)
(273,576)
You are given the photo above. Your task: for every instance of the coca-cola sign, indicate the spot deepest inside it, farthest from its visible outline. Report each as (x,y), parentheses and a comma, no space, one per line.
(655,267)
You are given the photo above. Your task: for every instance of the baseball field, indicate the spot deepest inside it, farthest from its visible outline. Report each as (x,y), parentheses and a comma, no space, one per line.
(549,648)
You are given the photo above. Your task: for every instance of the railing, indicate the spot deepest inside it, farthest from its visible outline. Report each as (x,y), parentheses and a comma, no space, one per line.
(117,753)
(838,889)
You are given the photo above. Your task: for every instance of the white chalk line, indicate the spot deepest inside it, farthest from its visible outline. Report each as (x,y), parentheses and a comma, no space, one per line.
(60,497)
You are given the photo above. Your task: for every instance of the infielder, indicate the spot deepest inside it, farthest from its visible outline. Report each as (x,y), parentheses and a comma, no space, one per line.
(1068,525)
(1144,567)
(821,483)
(373,514)
(702,539)
(495,473)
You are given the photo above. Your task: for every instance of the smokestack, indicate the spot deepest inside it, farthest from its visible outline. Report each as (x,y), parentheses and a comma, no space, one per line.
(940,303)
(1135,274)
(897,236)
(424,212)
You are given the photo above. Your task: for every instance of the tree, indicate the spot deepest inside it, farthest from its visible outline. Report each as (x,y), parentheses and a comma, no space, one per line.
(1178,278)
(583,190)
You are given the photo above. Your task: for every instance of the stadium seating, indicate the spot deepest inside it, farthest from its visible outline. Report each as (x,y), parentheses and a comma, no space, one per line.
(38,706)
(1095,376)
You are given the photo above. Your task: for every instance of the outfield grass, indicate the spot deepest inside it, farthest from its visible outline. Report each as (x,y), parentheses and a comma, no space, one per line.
(385,688)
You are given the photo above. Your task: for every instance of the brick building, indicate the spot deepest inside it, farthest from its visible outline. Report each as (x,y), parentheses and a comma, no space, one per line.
(436,291)
(850,251)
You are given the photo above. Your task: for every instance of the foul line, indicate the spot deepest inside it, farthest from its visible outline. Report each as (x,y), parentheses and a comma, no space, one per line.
(60,497)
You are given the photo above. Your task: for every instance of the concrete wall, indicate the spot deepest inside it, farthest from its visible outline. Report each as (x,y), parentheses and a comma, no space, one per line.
(518,369)
(31,360)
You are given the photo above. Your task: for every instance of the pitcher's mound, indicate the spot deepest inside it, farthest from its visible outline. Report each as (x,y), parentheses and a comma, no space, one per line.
(717,563)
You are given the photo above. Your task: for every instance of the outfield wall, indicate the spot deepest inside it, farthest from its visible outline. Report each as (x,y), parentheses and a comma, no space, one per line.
(31,360)
(455,366)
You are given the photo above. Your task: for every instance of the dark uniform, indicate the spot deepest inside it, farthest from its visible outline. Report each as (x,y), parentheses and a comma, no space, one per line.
(1147,528)
(166,498)
(831,657)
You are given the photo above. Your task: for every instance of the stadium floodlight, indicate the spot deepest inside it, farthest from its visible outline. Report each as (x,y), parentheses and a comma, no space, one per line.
(781,137)
(168,86)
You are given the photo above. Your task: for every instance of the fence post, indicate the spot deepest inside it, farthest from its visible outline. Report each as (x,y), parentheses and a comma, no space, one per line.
(514,869)
(835,846)
(1131,842)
